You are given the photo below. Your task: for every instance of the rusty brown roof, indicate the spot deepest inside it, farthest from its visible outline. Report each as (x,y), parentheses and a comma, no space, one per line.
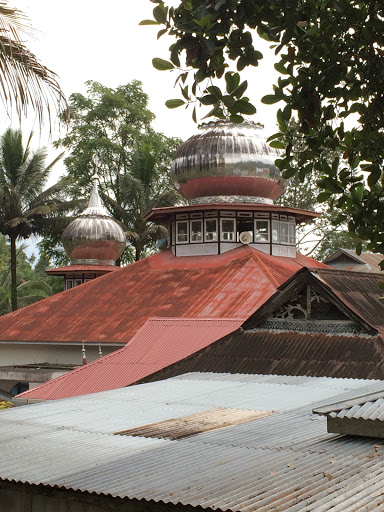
(346,259)
(111,308)
(286,353)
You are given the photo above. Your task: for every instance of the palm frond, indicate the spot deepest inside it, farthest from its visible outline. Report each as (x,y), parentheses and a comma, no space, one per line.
(132,236)
(51,192)
(17,221)
(24,81)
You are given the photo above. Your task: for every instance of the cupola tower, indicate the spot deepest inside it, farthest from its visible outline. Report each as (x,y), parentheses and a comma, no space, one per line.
(228,175)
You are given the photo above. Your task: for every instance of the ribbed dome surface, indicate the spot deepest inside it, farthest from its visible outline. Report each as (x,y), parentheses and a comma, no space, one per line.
(94,237)
(227,159)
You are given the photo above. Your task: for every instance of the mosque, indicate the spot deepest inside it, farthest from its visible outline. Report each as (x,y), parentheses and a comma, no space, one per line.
(230,261)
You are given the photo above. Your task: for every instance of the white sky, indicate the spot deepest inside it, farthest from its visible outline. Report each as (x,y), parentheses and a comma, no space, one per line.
(102,41)
(92,40)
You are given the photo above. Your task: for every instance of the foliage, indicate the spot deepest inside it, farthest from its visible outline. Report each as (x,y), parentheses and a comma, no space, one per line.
(330,58)
(24,81)
(6,404)
(33,284)
(25,207)
(110,134)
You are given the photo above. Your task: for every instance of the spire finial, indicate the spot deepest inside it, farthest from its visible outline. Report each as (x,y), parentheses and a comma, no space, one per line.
(100,352)
(84,354)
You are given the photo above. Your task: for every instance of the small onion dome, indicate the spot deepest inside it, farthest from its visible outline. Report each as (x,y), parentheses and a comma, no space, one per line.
(227,162)
(94,238)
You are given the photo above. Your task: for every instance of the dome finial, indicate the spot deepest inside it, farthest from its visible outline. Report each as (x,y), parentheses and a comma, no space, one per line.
(95,206)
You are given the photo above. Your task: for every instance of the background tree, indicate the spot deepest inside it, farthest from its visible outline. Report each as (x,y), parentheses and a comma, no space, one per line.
(322,236)
(25,207)
(33,284)
(330,57)
(110,134)
(24,81)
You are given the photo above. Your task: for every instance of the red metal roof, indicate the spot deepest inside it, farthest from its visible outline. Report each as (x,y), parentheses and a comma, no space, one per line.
(111,308)
(159,343)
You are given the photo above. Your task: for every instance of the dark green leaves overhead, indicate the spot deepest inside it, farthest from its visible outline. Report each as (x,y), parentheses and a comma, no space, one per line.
(330,57)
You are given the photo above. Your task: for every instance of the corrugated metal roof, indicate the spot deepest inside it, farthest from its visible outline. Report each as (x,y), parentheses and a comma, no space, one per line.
(284,461)
(111,308)
(366,407)
(192,424)
(358,291)
(346,259)
(287,353)
(159,343)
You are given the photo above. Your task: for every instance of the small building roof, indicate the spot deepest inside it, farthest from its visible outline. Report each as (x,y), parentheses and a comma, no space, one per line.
(347,259)
(159,343)
(111,308)
(285,461)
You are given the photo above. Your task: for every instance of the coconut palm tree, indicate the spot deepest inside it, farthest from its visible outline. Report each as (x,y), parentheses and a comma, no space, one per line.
(140,190)
(25,207)
(24,81)
(28,291)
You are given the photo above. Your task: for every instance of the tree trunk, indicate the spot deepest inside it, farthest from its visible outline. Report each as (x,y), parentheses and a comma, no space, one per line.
(138,252)
(13,275)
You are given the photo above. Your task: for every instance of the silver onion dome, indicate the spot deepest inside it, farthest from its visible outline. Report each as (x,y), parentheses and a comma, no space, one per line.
(94,238)
(228,162)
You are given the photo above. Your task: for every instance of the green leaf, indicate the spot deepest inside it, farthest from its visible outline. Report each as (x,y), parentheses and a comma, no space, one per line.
(160,14)
(149,22)
(174,103)
(277,144)
(161,32)
(162,65)
(194,114)
(289,173)
(323,197)
(236,118)
(269,99)
(279,66)
(243,107)
(208,99)
(241,89)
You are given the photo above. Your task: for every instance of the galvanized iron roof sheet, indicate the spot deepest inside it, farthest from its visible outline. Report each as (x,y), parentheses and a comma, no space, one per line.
(287,353)
(286,461)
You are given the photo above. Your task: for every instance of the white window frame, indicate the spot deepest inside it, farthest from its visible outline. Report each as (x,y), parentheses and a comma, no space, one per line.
(67,281)
(78,282)
(233,232)
(200,221)
(173,228)
(212,219)
(264,240)
(178,242)
(284,223)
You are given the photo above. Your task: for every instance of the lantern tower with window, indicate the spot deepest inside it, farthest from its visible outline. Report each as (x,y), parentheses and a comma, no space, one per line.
(228,175)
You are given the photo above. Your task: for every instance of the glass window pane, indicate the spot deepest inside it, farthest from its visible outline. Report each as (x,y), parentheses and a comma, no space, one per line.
(196,230)
(275,231)
(182,232)
(228,230)
(284,232)
(261,230)
(211,230)
(292,233)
